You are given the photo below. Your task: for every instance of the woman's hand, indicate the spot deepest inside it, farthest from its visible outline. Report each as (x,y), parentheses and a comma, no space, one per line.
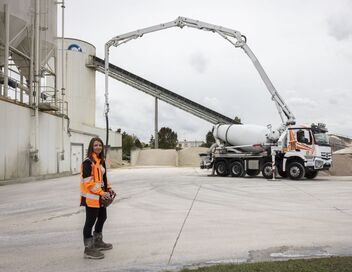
(112,193)
(106,196)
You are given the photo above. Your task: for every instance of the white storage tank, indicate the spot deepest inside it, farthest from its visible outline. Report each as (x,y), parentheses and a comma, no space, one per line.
(79,81)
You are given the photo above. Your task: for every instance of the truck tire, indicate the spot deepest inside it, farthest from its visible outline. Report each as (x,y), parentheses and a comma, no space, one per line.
(267,170)
(252,172)
(296,170)
(282,173)
(311,174)
(221,168)
(236,169)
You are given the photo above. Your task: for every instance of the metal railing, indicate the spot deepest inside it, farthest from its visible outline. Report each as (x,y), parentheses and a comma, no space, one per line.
(18,92)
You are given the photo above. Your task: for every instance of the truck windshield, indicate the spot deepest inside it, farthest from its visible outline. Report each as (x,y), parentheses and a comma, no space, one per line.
(321,139)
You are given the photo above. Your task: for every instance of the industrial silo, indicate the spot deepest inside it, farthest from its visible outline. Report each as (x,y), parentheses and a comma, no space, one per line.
(28,29)
(79,80)
(21,35)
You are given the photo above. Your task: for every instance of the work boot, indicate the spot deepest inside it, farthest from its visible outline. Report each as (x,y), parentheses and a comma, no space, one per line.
(90,252)
(99,243)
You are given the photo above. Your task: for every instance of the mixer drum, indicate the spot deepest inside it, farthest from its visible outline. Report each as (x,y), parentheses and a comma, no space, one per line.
(242,135)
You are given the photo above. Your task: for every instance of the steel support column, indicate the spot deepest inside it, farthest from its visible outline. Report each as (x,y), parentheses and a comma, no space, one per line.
(156,137)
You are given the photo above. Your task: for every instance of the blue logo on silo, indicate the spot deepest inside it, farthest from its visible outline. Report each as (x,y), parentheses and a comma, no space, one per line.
(74,47)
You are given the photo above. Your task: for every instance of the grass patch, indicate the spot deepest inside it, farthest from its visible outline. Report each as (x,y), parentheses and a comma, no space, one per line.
(331,264)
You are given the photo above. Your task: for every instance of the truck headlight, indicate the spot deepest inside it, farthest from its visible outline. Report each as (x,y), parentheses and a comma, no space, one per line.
(318,164)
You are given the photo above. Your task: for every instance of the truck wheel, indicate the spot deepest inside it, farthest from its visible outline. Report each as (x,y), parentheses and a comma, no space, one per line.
(311,174)
(295,170)
(252,172)
(267,170)
(221,168)
(236,169)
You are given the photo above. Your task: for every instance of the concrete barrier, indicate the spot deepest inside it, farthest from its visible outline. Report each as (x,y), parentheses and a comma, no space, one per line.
(159,157)
(190,156)
(167,157)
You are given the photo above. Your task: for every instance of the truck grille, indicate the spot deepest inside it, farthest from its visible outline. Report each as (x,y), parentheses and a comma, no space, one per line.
(326,155)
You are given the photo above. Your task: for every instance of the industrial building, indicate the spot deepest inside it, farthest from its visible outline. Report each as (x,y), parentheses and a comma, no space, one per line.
(47,94)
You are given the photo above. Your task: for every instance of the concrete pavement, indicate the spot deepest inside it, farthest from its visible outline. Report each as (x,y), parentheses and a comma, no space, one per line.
(169,218)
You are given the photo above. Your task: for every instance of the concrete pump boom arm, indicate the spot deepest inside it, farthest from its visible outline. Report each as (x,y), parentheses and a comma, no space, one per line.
(224,32)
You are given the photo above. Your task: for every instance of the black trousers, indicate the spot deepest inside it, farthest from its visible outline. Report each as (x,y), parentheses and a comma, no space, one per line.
(95,216)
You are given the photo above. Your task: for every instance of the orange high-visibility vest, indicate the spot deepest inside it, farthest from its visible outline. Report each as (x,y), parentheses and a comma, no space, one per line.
(91,186)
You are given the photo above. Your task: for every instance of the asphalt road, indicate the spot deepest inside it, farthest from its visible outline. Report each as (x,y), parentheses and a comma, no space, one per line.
(169,218)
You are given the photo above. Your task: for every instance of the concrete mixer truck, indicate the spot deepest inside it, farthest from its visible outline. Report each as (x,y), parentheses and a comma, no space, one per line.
(292,150)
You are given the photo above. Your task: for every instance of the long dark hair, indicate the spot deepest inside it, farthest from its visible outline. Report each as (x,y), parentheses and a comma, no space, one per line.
(90,149)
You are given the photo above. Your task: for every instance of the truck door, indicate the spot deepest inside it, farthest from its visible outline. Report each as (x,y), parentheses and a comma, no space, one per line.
(301,139)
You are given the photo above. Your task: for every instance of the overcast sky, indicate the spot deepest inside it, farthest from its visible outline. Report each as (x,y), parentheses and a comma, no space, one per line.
(305,46)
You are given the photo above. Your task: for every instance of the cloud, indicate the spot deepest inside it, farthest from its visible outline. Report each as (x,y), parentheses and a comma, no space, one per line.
(299,101)
(199,62)
(340,97)
(340,24)
(333,101)
(212,103)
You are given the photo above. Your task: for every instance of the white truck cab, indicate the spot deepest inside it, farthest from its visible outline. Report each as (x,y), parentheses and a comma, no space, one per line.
(306,151)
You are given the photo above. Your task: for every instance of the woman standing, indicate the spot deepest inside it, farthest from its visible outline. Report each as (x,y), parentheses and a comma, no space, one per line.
(95,189)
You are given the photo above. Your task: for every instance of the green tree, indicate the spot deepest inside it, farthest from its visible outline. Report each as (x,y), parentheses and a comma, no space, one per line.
(209,139)
(167,138)
(237,120)
(137,143)
(152,141)
(128,143)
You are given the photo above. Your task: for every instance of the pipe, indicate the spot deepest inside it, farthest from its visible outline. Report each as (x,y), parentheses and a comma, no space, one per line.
(107,95)
(21,89)
(156,136)
(212,147)
(7,48)
(36,79)
(107,134)
(31,58)
(62,79)
(35,151)
(56,65)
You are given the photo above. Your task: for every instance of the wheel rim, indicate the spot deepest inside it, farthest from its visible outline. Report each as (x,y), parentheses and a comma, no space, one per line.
(267,171)
(221,168)
(295,171)
(236,169)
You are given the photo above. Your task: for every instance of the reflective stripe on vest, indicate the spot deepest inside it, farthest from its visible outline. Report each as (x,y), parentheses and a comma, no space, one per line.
(96,186)
(91,196)
(87,179)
